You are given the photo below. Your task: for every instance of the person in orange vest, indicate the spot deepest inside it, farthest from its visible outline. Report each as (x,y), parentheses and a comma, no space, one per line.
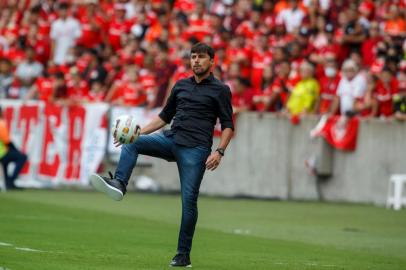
(8,154)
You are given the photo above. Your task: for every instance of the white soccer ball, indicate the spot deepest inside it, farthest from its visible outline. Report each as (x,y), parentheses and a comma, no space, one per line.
(125,129)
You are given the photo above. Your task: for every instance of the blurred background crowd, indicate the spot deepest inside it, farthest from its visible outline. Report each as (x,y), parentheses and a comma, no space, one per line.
(293,57)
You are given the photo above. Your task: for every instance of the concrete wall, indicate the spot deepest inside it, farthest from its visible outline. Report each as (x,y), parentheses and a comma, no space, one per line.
(266,160)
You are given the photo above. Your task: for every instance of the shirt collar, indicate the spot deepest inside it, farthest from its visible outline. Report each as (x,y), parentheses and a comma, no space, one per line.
(210,78)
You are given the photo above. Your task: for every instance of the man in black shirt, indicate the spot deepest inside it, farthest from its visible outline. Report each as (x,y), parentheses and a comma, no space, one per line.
(194,106)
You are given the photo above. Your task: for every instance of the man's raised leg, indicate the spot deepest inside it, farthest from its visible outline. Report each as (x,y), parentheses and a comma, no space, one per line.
(156,145)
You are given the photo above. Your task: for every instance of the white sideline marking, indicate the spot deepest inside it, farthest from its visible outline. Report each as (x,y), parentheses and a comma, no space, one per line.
(308,264)
(320,265)
(4,268)
(20,248)
(241,231)
(280,263)
(28,249)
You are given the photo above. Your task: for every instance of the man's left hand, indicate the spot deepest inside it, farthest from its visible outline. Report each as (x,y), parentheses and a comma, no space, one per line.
(213,161)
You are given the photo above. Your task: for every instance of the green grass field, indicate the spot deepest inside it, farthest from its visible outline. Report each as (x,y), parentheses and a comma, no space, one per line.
(85,230)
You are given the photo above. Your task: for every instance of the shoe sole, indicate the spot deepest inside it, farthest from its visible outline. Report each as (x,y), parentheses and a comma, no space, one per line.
(100,185)
(189,266)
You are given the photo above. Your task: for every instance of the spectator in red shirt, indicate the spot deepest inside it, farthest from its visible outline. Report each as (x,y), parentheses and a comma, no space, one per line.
(261,94)
(251,27)
(77,88)
(15,52)
(93,25)
(45,87)
(33,17)
(328,86)
(9,31)
(241,96)
(379,58)
(41,90)
(199,22)
(97,92)
(324,44)
(283,84)
(40,43)
(129,91)
(132,53)
(296,58)
(278,36)
(114,69)
(261,58)
(119,27)
(369,46)
(238,52)
(387,88)
(276,94)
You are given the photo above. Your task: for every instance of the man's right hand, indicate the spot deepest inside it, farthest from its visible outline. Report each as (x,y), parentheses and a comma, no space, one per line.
(117,143)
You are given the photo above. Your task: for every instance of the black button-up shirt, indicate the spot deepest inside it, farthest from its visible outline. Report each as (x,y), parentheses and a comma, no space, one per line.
(194,108)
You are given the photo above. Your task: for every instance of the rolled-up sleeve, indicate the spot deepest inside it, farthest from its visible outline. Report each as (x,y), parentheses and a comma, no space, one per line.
(225,109)
(169,110)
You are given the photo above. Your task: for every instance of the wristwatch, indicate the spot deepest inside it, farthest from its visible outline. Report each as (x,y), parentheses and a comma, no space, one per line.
(221,151)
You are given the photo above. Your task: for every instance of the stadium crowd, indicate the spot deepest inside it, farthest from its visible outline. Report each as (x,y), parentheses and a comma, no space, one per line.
(294,57)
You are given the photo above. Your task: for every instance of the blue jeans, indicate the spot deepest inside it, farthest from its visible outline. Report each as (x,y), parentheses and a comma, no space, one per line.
(191,163)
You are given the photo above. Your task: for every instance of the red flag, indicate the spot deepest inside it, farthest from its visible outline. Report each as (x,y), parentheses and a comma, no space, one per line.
(339,131)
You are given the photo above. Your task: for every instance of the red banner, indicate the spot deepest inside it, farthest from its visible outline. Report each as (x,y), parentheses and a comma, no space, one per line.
(339,131)
(64,144)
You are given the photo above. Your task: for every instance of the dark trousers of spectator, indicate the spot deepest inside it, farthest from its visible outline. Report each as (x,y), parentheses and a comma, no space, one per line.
(18,158)
(191,163)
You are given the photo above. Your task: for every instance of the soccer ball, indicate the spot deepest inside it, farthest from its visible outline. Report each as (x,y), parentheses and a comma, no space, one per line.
(125,129)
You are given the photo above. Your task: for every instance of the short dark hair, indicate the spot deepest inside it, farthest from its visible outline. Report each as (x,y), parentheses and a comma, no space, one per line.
(202,48)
